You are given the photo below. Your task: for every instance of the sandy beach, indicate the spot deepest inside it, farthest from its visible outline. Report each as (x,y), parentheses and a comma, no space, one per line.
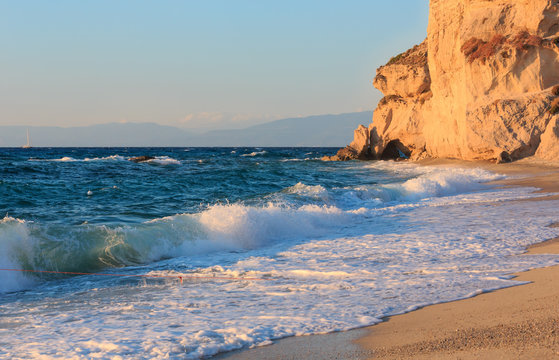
(519,322)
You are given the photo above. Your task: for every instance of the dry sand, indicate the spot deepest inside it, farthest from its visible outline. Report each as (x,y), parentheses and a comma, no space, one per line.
(520,322)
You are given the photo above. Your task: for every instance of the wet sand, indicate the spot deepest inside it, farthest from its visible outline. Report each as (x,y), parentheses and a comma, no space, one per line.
(520,322)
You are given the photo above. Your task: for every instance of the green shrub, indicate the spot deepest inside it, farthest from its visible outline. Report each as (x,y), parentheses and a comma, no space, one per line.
(395,59)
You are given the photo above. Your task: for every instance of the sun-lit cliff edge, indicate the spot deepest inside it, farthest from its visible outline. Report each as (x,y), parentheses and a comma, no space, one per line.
(483,85)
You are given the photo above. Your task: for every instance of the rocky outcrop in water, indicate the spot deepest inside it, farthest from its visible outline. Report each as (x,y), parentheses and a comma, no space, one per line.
(142,158)
(481,86)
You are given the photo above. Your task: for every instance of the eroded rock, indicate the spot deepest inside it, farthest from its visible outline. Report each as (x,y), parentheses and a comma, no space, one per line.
(143,158)
(358,149)
(482,85)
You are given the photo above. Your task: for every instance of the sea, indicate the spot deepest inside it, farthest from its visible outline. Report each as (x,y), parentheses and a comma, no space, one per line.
(201,251)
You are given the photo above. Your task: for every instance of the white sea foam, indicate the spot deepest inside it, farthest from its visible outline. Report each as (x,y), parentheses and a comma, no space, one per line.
(418,258)
(308,190)
(441,182)
(241,227)
(160,160)
(298,160)
(252,227)
(15,248)
(164,160)
(256,153)
(328,266)
(65,159)
(107,158)
(220,227)
(71,159)
(429,182)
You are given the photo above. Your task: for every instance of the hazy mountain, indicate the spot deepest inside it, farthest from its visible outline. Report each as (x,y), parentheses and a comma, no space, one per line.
(114,134)
(320,130)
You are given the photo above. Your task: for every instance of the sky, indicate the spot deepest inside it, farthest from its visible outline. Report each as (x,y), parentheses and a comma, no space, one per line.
(198,65)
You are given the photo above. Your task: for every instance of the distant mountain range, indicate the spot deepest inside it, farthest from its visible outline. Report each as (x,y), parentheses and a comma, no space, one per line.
(319,130)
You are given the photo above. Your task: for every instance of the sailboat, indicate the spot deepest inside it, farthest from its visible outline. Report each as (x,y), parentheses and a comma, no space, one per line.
(28,145)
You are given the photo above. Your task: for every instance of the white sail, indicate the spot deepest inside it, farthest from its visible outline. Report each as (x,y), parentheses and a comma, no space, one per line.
(28,145)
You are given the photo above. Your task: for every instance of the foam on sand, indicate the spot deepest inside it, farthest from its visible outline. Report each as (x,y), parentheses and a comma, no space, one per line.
(226,227)
(330,258)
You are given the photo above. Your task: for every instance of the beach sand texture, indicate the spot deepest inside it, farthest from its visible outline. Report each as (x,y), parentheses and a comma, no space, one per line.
(520,322)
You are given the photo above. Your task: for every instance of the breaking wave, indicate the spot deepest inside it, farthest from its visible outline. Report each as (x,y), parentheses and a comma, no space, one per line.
(85,248)
(298,212)
(164,160)
(160,160)
(255,153)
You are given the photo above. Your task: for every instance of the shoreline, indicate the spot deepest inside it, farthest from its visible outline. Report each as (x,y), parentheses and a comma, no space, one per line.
(492,325)
(517,322)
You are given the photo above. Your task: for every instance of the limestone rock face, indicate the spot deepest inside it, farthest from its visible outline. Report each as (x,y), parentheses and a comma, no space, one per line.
(549,146)
(398,119)
(360,141)
(358,149)
(405,75)
(479,87)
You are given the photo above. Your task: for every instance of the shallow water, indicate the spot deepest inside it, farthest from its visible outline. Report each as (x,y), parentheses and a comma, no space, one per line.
(335,246)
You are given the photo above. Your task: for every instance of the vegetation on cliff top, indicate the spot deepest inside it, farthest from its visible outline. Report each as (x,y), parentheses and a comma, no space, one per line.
(416,56)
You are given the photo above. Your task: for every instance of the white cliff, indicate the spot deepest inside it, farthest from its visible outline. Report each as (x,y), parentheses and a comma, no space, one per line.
(481,86)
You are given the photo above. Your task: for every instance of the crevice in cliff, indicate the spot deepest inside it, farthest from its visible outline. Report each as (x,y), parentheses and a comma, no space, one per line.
(395,150)
(391,99)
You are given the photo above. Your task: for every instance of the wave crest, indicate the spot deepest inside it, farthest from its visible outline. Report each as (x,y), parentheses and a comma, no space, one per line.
(87,248)
(314,191)
(221,227)
(255,153)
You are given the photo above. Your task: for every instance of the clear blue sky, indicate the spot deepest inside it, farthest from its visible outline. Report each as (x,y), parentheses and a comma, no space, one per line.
(196,64)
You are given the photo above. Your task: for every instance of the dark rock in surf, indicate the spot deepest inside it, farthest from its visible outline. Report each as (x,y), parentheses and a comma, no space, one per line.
(143,158)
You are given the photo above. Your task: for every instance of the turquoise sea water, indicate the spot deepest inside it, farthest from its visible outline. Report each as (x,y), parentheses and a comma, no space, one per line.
(81,196)
(334,245)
